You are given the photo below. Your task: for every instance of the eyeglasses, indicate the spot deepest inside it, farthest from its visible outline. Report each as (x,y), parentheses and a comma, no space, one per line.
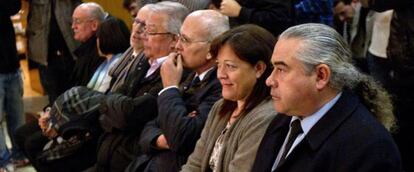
(138,21)
(141,27)
(187,41)
(153,33)
(157,33)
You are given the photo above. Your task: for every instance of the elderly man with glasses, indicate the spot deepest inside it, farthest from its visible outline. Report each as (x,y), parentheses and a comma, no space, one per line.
(86,19)
(183,108)
(125,111)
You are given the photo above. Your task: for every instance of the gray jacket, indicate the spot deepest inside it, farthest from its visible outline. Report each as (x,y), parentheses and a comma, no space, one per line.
(241,140)
(39,26)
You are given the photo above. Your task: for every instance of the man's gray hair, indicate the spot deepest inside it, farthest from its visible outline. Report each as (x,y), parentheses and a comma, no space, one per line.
(176,13)
(94,10)
(213,22)
(320,44)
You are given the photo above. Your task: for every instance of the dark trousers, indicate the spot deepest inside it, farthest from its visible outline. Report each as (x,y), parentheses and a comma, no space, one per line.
(30,138)
(404,137)
(54,77)
(380,69)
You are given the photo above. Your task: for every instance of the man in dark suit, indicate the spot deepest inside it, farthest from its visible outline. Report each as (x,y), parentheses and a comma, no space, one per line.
(333,118)
(183,108)
(125,112)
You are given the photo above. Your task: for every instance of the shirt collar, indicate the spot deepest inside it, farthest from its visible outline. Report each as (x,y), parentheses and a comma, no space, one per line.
(158,61)
(202,75)
(308,122)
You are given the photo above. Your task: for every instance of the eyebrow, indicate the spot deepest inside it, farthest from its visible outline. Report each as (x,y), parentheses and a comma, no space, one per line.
(231,61)
(184,35)
(277,63)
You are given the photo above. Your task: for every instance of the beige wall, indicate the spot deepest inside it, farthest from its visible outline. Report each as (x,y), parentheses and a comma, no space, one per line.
(114,7)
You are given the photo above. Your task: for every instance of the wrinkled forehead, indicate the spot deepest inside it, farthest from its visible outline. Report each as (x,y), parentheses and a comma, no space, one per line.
(155,21)
(81,13)
(286,49)
(143,13)
(193,27)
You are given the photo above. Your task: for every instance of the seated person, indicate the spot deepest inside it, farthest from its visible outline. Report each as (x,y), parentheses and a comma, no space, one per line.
(112,38)
(124,113)
(331,116)
(183,108)
(229,139)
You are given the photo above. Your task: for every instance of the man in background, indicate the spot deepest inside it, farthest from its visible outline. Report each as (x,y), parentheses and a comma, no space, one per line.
(51,44)
(11,84)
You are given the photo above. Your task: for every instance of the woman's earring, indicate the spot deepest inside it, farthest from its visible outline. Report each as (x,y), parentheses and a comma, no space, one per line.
(209,57)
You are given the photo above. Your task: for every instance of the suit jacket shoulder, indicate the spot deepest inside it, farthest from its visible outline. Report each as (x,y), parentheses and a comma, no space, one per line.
(346,138)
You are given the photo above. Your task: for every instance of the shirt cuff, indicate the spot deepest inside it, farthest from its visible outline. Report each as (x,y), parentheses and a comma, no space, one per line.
(166,88)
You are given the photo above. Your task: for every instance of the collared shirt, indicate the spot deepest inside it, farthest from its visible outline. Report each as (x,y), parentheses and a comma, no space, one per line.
(125,67)
(201,77)
(306,123)
(154,65)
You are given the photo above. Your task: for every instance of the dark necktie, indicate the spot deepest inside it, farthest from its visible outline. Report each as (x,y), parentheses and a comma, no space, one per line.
(195,81)
(296,129)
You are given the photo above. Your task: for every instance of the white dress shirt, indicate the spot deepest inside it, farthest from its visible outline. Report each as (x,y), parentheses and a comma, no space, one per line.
(306,123)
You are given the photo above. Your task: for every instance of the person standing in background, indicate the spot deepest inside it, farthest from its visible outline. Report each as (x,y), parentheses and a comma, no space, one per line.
(11,87)
(131,6)
(51,43)
(400,51)
(378,63)
(275,16)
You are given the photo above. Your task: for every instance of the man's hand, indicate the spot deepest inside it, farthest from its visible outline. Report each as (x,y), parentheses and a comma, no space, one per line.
(230,8)
(43,121)
(50,133)
(162,142)
(45,126)
(171,70)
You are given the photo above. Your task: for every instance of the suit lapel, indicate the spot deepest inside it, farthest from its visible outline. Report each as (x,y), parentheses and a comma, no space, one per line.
(320,132)
(138,77)
(271,143)
(190,90)
(346,104)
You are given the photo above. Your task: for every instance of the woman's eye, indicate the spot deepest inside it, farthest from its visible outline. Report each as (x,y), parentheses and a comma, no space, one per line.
(231,66)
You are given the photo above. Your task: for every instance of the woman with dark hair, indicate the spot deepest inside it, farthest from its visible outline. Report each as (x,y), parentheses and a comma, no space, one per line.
(112,41)
(236,123)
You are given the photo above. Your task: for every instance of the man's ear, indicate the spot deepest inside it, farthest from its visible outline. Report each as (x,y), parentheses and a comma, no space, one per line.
(209,56)
(95,25)
(260,67)
(323,76)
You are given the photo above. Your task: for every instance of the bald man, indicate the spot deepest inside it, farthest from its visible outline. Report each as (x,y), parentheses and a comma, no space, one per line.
(183,108)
